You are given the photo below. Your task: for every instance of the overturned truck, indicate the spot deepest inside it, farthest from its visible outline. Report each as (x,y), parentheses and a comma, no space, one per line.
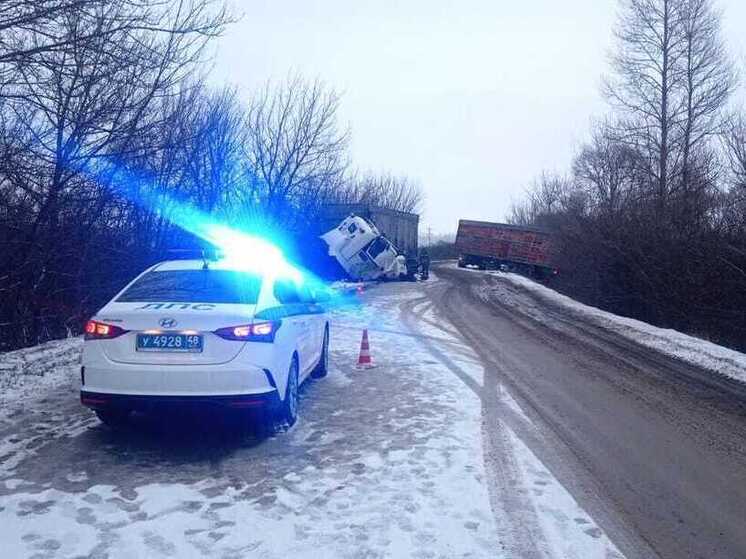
(371,243)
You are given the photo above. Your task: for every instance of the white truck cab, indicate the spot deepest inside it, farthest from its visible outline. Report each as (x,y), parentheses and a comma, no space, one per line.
(363,252)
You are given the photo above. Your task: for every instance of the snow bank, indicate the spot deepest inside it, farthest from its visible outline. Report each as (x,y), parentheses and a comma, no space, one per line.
(25,371)
(689,349)
(346,285)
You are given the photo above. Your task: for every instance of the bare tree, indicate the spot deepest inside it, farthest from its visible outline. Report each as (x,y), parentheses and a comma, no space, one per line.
(672,80)
(735,147)
(549,195)
(80,111)
(608,169)
(709,78)
(295,148)
(650,225)
(648,78)
(384,190)
(214,155)
(29,28)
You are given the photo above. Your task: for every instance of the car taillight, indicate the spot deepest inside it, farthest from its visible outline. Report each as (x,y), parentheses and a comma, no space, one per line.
(95,330)
(256,332)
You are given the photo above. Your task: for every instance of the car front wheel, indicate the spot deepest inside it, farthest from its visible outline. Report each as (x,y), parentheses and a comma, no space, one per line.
(322,368)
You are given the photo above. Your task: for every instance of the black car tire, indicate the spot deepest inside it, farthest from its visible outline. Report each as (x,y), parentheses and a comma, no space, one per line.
(288,413)
(322,368)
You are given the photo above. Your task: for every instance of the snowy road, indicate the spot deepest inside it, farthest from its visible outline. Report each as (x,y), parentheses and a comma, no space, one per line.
(480,433)
(653,448)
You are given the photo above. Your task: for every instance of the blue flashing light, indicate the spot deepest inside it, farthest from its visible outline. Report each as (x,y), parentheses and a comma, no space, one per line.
(240,249)
(251,253)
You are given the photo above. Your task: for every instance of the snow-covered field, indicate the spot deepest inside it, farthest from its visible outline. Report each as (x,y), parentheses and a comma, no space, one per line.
(690,349)
(386,462)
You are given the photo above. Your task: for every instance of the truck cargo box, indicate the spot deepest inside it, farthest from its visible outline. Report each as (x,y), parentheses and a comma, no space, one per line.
(485,244)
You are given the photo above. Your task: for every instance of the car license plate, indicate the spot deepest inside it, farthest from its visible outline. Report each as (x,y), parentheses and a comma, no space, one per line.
(190,343)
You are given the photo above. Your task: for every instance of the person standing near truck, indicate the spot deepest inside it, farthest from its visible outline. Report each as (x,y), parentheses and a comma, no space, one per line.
(424,264)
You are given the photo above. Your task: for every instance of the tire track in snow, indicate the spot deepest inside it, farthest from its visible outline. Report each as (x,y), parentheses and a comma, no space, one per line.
(654,456)
(514,514)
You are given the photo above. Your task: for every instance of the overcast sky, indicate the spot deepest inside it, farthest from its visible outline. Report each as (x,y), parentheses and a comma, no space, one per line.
(473,98)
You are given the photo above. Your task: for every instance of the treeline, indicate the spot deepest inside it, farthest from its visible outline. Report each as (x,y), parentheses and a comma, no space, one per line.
(103,105)
(651,222)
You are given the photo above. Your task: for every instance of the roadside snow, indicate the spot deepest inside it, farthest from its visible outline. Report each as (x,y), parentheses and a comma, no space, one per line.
(35,380)
(569,531)
(27,372)
(689,349)
(385,462)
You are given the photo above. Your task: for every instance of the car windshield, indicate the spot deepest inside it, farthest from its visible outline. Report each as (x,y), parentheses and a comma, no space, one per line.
(194,286)
(377,247)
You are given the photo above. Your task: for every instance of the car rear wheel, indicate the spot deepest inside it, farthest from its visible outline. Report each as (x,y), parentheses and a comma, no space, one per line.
(322,368)
(113,418)
(289,407)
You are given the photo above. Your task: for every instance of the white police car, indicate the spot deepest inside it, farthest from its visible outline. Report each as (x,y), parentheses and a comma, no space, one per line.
(192,331)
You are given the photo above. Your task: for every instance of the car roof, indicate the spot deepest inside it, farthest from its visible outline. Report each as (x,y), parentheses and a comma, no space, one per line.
(173,265)
(198,264)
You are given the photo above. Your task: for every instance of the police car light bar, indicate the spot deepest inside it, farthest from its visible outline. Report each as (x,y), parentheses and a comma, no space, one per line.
(205,254)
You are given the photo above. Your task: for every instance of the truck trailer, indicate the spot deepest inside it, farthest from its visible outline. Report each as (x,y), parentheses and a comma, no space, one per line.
(518,248)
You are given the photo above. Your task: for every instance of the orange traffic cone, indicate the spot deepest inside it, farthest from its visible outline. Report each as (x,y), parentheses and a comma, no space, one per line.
(364,361)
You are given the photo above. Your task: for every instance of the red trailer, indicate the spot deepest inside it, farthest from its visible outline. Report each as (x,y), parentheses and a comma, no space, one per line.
(500,246)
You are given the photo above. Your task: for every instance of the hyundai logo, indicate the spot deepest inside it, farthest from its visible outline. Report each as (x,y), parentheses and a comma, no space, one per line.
(167,322)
